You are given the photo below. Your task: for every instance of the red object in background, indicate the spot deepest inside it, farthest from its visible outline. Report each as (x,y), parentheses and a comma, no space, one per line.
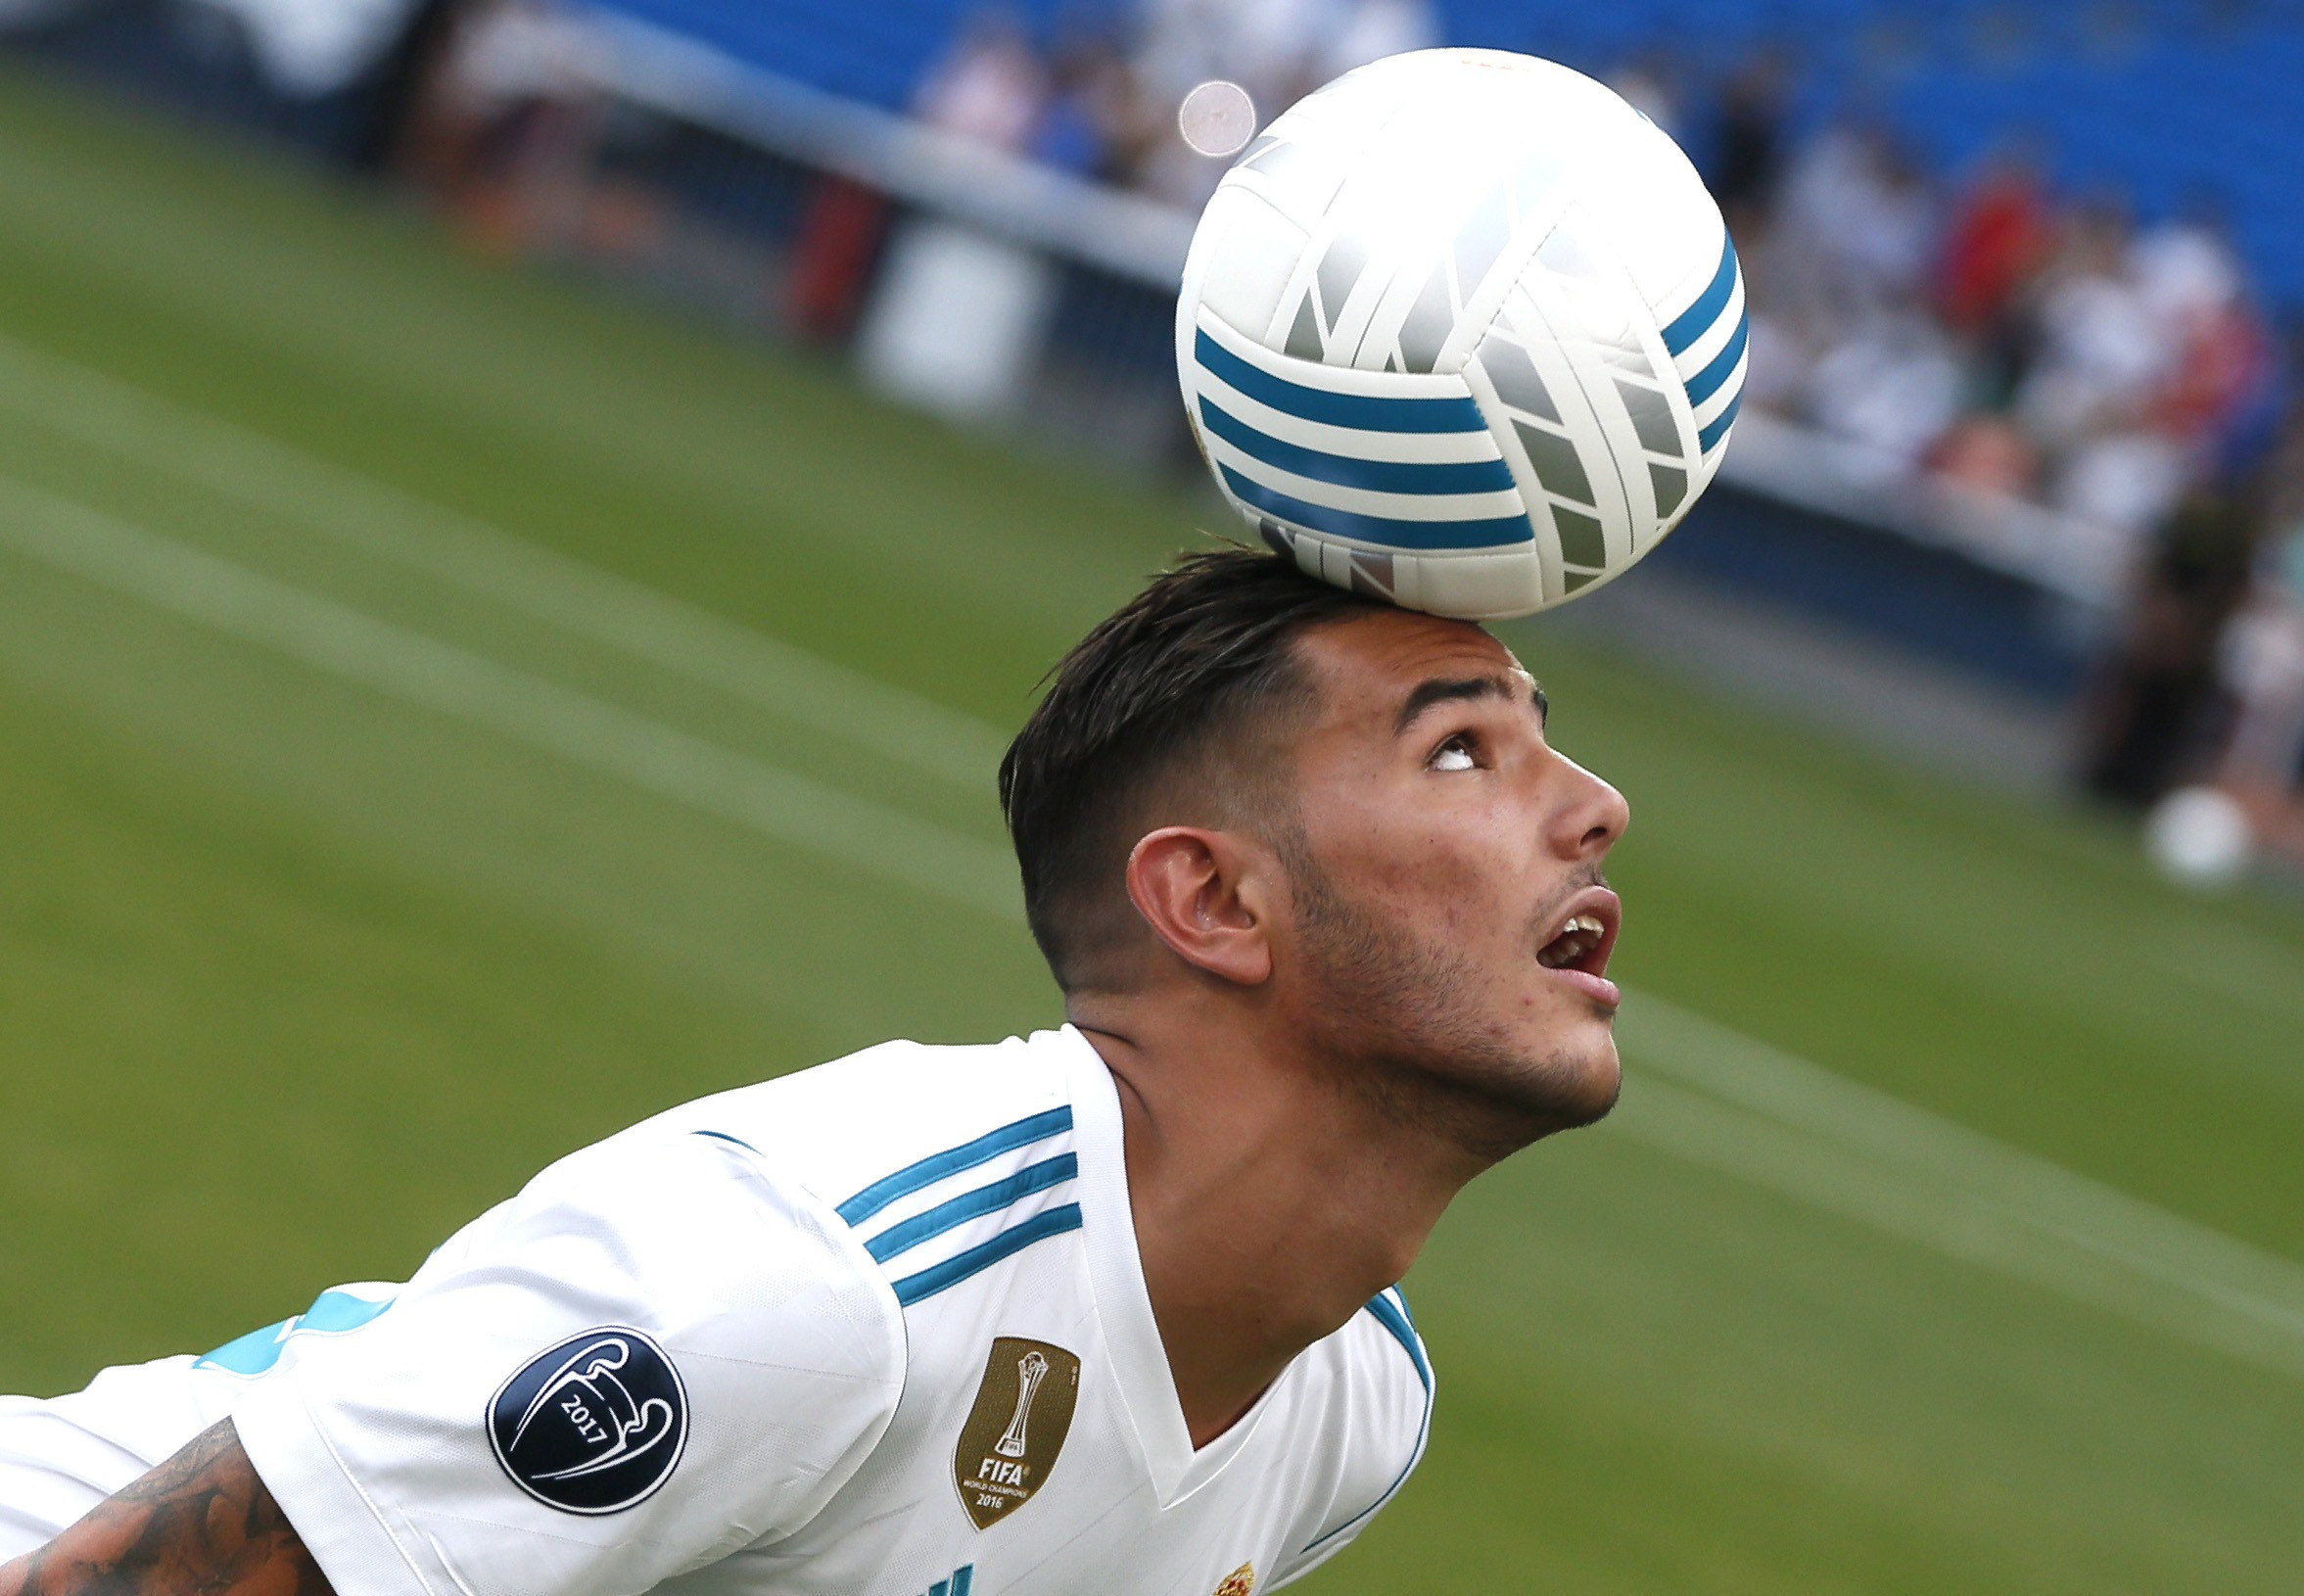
(832,262)
(1998,237)
(2228,357)
(1989,453)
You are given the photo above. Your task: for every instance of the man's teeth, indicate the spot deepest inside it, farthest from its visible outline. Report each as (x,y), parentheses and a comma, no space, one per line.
(1576,939)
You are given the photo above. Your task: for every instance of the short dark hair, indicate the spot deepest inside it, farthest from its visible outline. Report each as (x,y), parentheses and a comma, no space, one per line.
(1165,685)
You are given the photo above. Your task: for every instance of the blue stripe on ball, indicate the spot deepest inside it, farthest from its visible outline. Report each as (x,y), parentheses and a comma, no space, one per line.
(1694,322)
(1717,426)
(1707,381)
(1360,410)
(1384,530)
(1348,471)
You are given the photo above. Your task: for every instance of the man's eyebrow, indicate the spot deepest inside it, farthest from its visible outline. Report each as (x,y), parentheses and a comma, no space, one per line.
(1452,689)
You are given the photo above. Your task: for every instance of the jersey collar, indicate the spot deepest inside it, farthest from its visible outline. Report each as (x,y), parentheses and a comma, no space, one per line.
(1123,1307)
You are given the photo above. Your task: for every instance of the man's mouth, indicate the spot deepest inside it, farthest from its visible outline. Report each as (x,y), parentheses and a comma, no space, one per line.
(1576,944)
(1581,941)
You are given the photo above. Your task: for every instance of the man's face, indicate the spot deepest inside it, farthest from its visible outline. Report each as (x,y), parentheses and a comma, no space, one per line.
(1451,924)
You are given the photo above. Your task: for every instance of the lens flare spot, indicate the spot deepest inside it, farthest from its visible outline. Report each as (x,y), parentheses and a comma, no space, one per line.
(1217,118)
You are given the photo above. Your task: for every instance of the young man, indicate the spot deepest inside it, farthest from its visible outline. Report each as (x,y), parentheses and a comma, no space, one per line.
(1107,1309)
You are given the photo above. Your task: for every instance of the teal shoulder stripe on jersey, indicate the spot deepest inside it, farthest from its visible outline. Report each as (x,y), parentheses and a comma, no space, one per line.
(732,1140)
(952,1271)
(1391,1310)
(967,1156)
(984,1199)
(331,1312)
(249,1354)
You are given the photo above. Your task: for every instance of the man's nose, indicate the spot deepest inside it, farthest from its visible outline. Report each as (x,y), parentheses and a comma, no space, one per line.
(1590,816)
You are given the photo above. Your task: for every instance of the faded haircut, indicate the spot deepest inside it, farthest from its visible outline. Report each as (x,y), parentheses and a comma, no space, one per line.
(1150,722)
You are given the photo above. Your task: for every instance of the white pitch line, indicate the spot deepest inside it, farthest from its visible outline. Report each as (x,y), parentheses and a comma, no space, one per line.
(855,831)
(1863,1154)
(389,523)
(386,523)
(1726,1100)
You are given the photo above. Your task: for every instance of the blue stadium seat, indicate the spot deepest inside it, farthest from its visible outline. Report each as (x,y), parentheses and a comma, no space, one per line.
(2163,99)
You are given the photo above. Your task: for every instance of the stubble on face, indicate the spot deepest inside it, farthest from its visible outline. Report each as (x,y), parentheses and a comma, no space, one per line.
(1401,1017)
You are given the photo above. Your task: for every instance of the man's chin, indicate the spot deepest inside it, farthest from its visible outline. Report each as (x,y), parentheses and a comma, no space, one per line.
(1605,1083)
(1541,1096)
(1578,1090)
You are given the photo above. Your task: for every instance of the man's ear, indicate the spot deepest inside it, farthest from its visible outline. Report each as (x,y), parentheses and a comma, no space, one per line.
(1209,897)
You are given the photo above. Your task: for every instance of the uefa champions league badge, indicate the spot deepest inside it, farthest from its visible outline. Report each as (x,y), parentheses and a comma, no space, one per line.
(593,1426)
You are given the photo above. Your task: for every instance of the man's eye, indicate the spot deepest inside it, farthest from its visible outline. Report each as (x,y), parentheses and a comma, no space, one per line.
(1454,755)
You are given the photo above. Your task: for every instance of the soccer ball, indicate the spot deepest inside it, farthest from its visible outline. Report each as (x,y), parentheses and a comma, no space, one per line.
(1463,331)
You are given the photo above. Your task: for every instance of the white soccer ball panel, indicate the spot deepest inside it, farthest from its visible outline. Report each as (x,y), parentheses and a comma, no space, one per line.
(1261,248)
(1462,329)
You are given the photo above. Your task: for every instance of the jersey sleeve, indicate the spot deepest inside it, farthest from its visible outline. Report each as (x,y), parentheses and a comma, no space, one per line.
(657,1353)
(1382,1404)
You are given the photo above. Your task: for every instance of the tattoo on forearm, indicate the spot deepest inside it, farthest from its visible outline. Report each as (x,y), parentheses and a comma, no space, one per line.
(202,1524)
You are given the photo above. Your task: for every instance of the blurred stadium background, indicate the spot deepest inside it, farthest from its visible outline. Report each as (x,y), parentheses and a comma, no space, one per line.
(524,529)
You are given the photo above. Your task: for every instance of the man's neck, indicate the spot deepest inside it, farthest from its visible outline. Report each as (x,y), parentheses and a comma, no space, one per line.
(1270,1202)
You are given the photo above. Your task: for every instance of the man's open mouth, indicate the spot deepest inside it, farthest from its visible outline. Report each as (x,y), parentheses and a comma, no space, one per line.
(1585,935)
(1574,946)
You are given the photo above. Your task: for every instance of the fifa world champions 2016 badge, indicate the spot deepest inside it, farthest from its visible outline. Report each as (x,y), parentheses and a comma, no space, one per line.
(1023,1412)
(594,1425)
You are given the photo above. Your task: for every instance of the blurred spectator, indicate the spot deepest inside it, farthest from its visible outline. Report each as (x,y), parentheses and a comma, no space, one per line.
(1372,29)
(501,127)
(2264,666)
(2125,480)
(1988,452)
(2185,269)
(1747,140)
(1983,332)
(1892,384)
(1856,211)
(2101,349)
(2155,706)
(1183,43)
(1993,338)
(1266,46)
(839,239)
(1997,239)
(990,88)
(378,146)
(1093,121)
(1278,50)
(1646,83)
(2223,395)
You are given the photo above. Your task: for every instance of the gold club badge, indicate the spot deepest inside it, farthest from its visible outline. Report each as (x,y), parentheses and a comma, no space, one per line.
(1013,1435)
(1241,1581)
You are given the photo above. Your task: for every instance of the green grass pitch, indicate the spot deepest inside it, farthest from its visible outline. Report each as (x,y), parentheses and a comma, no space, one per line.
(446,715)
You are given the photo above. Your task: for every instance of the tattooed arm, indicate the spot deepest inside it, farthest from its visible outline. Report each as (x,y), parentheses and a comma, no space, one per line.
(200,1525)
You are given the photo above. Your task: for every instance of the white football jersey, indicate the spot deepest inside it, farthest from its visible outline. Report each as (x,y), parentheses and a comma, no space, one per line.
(876,1328)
